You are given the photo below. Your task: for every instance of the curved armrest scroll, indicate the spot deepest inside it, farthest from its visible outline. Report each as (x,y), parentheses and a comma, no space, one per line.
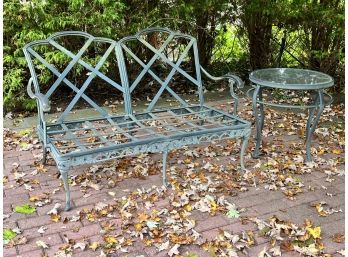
(232,79)
(43,101)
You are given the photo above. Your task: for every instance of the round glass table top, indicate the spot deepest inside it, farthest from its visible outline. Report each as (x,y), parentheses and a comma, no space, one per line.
(289,78)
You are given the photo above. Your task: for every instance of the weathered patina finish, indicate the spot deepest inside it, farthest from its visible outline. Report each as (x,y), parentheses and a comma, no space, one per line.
(110,136)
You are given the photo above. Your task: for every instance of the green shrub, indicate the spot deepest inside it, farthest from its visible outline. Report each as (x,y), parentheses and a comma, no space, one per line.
(25,21)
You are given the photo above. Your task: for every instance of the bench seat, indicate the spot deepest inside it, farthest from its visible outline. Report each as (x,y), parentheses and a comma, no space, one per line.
(156,61)
(141,132)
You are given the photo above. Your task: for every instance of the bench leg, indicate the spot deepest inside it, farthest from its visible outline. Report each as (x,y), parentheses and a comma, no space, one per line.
(242,150)
(164,169)
(259,119)
(64,174)
(44,156)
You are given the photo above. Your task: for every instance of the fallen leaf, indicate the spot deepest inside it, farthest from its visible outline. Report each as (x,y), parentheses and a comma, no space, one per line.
(8,234)
(54,210)
(94,246)
(338,238)
(55,217)
(81,245)
(315,232)
(25,209)
(152,224)
(110,240)
(174,250)
(41,244)
(42,229)
(163,246)
(232,213)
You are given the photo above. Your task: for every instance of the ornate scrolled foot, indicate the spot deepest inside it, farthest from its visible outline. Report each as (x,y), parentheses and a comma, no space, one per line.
(64,175)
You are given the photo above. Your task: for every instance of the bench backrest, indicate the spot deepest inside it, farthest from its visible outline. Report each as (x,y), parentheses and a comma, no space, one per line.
(154,52)
(163,56)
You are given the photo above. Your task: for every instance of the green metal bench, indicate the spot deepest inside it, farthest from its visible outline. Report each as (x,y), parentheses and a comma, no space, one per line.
(73,142)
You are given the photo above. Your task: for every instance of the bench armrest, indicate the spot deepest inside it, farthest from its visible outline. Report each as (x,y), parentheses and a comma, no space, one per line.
(232,79)
(43,101)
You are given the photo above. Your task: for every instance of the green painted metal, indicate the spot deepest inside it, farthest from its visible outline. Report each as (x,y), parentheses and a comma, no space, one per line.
(289,79)
(109,136)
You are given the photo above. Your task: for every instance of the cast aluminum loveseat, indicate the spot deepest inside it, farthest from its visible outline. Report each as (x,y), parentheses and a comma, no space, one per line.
(108,135)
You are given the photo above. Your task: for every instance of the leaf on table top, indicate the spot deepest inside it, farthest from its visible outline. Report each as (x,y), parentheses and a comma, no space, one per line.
(25,209)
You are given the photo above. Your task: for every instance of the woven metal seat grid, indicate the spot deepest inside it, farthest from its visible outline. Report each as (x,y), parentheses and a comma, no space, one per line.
(91,134)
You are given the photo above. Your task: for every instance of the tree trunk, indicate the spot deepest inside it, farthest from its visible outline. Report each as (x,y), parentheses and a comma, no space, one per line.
(205,40)
(259,28)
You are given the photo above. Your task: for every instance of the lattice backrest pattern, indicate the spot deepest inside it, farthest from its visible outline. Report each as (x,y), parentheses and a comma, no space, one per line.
(160,55)
(101,50)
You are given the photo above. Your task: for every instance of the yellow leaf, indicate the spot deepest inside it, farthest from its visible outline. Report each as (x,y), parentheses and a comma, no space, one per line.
(214,206)
(188,207)
(143,217)
(314,232)
(337,151)
(91,217)
(138,226)
(110,239)
(94,246)
(55,217)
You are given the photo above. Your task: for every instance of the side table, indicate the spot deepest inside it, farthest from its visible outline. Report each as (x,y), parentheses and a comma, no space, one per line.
(289,79)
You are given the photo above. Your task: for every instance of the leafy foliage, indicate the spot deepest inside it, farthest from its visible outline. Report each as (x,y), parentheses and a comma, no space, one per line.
(232,35)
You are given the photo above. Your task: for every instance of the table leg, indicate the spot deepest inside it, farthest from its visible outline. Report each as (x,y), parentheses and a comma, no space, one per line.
(259,118)
(312,122)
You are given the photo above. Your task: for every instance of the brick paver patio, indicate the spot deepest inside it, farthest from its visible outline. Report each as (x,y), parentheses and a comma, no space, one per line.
(320,184)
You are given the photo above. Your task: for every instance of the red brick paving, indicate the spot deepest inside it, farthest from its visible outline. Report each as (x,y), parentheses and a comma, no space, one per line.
(258,202)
